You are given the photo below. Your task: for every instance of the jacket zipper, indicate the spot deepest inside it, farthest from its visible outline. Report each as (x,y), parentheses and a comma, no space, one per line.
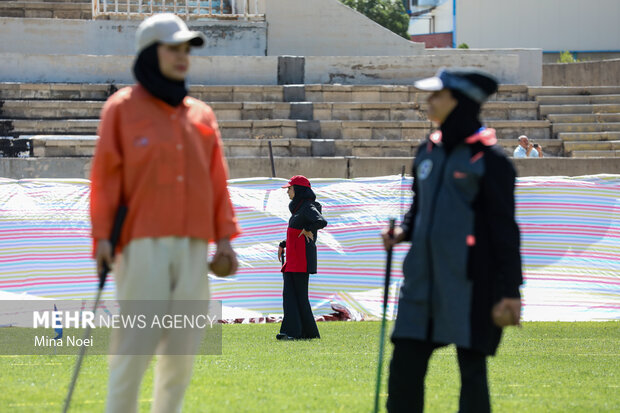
(428,243)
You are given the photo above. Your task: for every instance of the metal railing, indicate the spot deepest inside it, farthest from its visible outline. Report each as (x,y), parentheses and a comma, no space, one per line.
(188,9)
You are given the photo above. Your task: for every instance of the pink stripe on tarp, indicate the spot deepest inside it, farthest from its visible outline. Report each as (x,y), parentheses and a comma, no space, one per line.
(44,257)
(567,253)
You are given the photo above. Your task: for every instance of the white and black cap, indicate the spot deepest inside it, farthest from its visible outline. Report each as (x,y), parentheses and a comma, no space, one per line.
(475,84)
(166,28)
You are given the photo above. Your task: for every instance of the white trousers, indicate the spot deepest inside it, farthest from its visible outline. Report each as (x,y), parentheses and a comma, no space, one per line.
(167,268)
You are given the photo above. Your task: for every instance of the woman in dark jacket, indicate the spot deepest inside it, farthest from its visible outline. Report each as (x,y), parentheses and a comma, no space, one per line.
(301,261)
(463,271)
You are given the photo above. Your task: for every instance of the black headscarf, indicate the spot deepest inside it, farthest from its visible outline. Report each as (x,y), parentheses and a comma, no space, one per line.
(461,123)
(464,120)
(302,194)
(147,73)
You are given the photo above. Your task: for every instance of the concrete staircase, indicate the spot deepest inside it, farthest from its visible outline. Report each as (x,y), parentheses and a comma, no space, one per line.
(321,130)
(585,119)
(331,120)
(57,9)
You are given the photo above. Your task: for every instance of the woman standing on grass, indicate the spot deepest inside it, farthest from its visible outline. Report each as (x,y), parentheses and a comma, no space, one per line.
(301,260)
(160,154)
(463,270)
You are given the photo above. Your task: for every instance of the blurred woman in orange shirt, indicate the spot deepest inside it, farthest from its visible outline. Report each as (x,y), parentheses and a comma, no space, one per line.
(159,154)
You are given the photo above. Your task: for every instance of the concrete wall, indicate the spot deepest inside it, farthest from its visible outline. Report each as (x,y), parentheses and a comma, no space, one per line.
(217,70)
(369,167)
(24,168)
(552,25)
(329,28)
(601,73)
(262,70)
(27,168)
(404,70)
(106,37)
(567,166)
(553,57)
(528,67)
(287,167)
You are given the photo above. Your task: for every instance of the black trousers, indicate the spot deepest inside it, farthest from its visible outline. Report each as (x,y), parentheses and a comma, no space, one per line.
(298,319)
(408,370)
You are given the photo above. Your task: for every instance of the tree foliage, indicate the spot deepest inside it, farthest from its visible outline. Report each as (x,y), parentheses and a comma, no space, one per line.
(390,14)
(567,57)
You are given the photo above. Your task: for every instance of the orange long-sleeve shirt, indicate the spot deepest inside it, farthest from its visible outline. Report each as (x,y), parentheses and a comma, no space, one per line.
(165,164)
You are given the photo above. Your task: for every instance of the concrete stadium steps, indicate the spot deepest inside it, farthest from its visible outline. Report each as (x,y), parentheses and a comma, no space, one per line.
(534,91)
(386,111)
(67,146)
(261,93)
(45,146)
(409,130)
(288,129)
(208,93)
(57,9)
(101,91)
(360,111)
(389,93)
(575,148)
(585,118)
(578,99)
(590,144)
(585,127)
(496,110)
(589,136)
(16,127)
(347,147)
(56,91)
(546,110)
(596,154)
(50,109)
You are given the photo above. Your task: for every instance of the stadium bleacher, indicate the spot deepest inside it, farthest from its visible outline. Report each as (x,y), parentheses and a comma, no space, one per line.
(57,121)
(335,120)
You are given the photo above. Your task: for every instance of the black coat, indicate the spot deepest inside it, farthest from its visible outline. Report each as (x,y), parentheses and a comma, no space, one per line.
(301,253)
(465,253)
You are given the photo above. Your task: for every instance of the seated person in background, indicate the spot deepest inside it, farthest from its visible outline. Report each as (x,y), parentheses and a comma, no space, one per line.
(526,149)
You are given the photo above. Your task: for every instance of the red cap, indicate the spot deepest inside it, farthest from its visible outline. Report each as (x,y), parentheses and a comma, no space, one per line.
(298,180)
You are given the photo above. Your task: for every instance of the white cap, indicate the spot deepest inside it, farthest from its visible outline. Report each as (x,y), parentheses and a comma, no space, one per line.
(430,84)
(475,84)
(166,28)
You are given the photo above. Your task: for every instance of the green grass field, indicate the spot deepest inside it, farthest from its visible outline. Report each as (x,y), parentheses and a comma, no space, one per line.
(542,367)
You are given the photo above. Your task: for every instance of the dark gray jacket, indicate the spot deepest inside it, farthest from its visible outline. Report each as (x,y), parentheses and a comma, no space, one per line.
(464,254)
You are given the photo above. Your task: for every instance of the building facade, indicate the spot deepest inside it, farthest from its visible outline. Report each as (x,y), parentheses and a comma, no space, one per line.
(588,29)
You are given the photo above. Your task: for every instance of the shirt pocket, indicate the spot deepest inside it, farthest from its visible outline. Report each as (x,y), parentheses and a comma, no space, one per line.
(465,181)
(142,149)
(150,154)
(200,139)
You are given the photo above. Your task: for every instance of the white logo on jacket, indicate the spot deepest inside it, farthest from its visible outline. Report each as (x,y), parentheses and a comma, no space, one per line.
(424,169)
